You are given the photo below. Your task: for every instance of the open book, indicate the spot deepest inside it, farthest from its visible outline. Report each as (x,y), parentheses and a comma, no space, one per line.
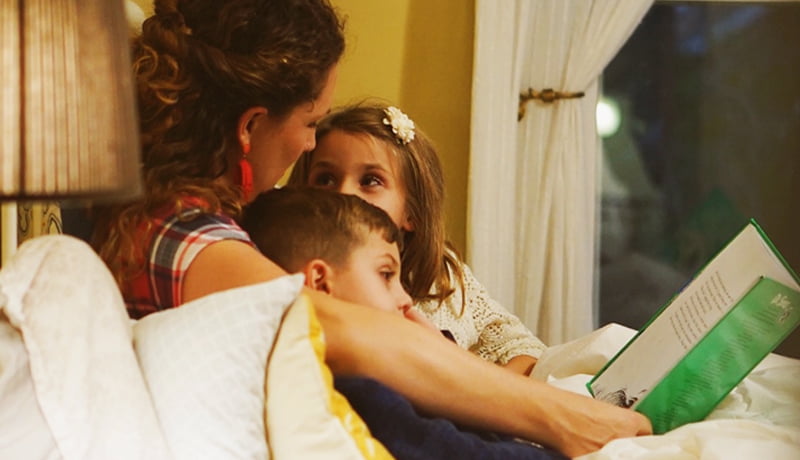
(708,337)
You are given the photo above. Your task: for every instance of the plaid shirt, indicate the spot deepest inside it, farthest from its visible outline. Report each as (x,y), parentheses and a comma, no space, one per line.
(173,242)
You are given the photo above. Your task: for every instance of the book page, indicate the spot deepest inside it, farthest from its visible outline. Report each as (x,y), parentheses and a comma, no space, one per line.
(689,316)
(698,312)
(724,356)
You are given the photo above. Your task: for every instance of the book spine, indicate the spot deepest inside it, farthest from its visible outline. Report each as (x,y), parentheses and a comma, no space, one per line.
(761,320)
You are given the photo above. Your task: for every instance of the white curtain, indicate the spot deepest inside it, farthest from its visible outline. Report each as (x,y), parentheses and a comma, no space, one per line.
(533,184)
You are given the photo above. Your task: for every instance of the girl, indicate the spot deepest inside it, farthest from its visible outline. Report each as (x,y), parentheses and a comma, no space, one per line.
(229,95)
(376,152)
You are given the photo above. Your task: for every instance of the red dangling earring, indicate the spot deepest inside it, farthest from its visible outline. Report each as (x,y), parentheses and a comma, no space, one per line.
(245,173)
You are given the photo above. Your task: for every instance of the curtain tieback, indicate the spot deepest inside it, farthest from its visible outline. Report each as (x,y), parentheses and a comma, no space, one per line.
(548,96)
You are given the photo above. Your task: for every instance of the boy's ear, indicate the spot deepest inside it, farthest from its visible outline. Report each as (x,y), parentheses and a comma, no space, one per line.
(319,276)
(244,128)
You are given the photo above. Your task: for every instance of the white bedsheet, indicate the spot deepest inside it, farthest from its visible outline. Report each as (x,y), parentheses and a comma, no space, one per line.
(759,419)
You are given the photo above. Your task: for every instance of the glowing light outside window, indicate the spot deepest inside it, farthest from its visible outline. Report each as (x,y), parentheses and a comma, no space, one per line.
(608,117)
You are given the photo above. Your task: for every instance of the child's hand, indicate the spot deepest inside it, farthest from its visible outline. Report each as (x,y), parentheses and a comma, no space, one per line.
(419,318)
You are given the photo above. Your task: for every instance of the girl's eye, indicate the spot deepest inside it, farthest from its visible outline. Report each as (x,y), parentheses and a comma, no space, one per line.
(322,180)
(388,275)
(371,180)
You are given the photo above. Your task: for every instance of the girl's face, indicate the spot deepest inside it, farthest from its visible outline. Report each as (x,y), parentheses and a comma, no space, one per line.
(278,142)
(358,164)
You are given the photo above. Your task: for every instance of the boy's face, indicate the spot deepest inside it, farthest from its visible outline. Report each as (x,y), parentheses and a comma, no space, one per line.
(371,276)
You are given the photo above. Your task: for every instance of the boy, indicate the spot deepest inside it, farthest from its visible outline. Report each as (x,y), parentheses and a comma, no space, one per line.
(350,249)
(344,246)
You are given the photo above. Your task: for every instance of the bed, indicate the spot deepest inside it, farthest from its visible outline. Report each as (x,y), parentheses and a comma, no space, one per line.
(760,418)
(241,374)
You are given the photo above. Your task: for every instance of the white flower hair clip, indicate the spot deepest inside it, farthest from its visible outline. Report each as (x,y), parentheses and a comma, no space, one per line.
(402,126)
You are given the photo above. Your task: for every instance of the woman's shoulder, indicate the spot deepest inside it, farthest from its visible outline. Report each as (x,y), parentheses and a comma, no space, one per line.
(192,216)
(179,234)
(225,265)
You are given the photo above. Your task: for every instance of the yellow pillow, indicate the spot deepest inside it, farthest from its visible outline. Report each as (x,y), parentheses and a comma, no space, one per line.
(305,416)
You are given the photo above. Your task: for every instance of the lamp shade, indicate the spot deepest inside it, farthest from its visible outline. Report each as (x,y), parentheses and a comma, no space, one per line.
(67,105)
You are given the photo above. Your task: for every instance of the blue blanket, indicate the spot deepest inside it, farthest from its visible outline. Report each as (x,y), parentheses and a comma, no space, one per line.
(409,436)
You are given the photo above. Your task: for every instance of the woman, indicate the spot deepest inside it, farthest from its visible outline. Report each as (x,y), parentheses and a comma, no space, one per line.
(229,94)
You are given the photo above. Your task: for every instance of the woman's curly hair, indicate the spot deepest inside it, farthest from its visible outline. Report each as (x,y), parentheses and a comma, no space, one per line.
(198,65)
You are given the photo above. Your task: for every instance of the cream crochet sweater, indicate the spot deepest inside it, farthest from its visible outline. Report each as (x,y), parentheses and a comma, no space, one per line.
(485,327)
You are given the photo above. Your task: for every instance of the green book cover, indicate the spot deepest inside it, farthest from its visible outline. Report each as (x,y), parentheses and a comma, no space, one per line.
(708,337)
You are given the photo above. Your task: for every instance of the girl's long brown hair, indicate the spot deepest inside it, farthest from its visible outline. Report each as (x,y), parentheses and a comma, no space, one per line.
(199,64)
(428,259)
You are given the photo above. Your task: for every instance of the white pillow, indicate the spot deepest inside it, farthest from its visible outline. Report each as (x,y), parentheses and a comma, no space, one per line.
(63,300)
(306,417)
(205,365)
(23,430)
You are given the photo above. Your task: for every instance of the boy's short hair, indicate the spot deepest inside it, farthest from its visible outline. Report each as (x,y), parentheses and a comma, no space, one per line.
(293,225)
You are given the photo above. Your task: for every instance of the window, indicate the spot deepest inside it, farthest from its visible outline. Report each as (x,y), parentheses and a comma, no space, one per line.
(708,99)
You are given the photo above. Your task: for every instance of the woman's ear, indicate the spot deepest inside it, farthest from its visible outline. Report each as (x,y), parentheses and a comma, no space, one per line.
(319,276)
(244,128)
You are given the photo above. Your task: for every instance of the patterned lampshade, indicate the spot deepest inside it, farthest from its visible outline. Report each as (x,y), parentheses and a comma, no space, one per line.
(67,106)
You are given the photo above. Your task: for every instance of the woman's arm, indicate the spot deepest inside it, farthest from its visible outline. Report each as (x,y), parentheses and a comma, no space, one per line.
(436,375)
(442,379)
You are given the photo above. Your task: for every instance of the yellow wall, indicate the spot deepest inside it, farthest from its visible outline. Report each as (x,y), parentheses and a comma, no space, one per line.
(372,64)
(145,5)
(418,55)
